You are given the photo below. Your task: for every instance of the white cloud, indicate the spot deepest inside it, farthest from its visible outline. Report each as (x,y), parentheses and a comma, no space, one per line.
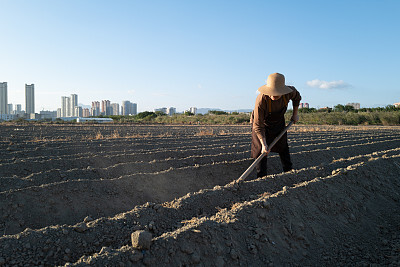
(328,85)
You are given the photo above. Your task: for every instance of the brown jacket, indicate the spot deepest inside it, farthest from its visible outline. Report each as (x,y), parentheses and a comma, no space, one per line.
(268,121)
(261,109)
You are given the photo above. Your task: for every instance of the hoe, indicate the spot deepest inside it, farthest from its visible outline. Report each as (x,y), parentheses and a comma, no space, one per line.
(254,164)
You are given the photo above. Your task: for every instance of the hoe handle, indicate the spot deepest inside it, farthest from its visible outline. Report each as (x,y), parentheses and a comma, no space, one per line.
(253,165)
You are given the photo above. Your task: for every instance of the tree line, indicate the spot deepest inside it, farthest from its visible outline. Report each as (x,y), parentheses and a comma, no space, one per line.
(349,108)
(339,115)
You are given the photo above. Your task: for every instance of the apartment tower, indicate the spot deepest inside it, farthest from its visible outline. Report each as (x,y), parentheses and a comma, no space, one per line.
(74,104)
(29,98)
(64,106)
(3,98)
(9,108)
(105,107)
(115,108)
(134,109)
(95,110)
(18,108)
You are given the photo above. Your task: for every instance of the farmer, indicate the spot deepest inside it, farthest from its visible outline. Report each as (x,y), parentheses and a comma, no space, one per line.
(268,120)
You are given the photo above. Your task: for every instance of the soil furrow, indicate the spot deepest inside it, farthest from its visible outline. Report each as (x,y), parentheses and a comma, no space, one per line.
(86,196)
(23,168)
(166,218)
(128,149)
(121,169)
(115,144)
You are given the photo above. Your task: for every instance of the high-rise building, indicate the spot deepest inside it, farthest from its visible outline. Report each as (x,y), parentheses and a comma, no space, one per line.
(124,108)
(18,109)
(109,110)
(68,107)
(304,105)
(163,110)
(3,98)
(9,108)
(193,110)
(95,110)
(59,113)
(354,105)
(63,106)
(29,98)
(85,113)
(78,112)
(105,107)
(65,101)
(134,108)
(74,103)
(128,108)
(171,111)
(115,108)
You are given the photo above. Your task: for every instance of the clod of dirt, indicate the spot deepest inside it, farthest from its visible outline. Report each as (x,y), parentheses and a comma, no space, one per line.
(141,239)
(81,227)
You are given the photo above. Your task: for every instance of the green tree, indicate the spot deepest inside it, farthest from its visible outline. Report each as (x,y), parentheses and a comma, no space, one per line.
(146,114)
(217,112)
(348,108)
(160,113)
(338,108)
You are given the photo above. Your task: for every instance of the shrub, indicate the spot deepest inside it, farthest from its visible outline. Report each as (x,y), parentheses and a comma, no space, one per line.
(389,118)
(217,112)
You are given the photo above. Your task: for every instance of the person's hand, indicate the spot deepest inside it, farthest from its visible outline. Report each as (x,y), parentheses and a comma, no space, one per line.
(264,146)
(295,118)
(264,149)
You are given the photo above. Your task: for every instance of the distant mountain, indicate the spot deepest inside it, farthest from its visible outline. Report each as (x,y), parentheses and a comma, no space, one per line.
(206,110)
(241,110)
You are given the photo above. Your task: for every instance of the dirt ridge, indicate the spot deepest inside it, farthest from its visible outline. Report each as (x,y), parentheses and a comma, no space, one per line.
(340,206)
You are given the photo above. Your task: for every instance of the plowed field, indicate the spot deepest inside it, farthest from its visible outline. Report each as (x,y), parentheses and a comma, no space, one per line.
(73,195)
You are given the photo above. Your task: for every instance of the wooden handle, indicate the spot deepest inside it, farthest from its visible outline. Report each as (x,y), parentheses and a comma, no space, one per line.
(253,165)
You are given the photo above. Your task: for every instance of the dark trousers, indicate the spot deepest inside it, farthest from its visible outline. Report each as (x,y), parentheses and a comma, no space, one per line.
(285,160)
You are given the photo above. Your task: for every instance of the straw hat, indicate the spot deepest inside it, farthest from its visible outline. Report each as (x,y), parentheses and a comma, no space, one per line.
(275,85)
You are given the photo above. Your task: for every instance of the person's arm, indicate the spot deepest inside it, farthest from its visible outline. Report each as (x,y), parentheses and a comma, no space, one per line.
(295,97)
(295,116)
(258,122)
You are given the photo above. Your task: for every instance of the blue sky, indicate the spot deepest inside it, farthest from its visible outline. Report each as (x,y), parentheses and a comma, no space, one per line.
(199,53)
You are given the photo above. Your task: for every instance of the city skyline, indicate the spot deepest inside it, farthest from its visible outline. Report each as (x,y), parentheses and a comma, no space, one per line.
(70,106)
(203,54)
